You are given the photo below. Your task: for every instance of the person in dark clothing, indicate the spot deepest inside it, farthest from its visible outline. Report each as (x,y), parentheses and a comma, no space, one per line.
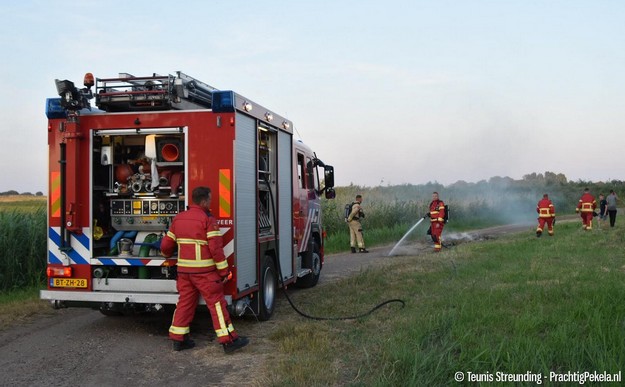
(611,205)
(603,210)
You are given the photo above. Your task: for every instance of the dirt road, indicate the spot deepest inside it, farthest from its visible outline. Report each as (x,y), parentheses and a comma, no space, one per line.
(84,348)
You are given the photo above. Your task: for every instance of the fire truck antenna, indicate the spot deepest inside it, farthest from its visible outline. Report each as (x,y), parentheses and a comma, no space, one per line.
(298,133)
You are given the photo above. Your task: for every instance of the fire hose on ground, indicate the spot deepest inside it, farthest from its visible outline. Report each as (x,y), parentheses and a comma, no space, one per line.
(303,314)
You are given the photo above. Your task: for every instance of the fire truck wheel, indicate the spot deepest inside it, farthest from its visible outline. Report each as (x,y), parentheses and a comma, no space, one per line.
(268,287)
(313,261)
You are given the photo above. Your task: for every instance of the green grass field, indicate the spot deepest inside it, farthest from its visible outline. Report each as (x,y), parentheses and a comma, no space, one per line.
(511,305)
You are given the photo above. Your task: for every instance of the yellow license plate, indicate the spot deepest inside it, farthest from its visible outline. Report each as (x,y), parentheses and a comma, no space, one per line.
(68,283)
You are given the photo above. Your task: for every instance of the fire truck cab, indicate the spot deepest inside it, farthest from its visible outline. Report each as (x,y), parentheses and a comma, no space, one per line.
(118,175)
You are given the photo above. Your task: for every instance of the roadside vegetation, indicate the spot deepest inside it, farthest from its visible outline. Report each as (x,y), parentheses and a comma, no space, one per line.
(514,304)
(17,306)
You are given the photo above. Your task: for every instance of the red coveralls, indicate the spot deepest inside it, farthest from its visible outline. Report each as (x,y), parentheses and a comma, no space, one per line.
(546,214)
(586,206)
(202,267)
(437,222)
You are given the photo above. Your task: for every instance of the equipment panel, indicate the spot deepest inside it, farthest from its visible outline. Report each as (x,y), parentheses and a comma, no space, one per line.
(144,214)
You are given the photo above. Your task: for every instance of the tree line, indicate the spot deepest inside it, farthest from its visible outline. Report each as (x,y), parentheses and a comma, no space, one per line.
(15,193)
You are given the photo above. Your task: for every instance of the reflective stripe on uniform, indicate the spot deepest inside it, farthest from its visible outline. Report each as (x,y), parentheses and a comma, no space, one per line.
(586,207)
(545,212)
(179,330)
(196,262)
(171,235)
(198,252)
(212,234)
(192,241)
(223,329)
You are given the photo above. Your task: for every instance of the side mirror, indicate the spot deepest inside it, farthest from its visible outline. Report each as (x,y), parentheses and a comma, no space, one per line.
(328,176)
(330,194)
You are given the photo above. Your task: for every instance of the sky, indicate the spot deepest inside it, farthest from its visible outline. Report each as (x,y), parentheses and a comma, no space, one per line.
(392,92)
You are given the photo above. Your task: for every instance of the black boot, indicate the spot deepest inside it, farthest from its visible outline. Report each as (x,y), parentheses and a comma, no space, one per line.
(186,344)
(236,344)
(363,250)
(538,234)
(353,249)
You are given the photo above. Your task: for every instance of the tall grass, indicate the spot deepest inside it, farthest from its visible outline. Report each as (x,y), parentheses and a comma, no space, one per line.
(22,246)
(511,305)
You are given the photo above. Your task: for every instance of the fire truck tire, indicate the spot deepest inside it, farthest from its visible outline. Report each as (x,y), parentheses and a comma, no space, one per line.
(268,289)
(313,261)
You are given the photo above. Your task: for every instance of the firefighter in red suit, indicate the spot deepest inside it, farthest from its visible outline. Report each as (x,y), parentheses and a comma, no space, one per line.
(586,207)
(546,215)
(202,270)
(437,221)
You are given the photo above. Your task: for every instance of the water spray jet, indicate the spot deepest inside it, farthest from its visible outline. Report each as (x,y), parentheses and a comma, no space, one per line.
(390,254)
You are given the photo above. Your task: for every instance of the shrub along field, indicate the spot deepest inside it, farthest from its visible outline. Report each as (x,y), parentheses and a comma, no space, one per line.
(511,305)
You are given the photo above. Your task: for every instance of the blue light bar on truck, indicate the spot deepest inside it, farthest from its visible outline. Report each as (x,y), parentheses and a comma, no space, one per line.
(54,108)
(223,101)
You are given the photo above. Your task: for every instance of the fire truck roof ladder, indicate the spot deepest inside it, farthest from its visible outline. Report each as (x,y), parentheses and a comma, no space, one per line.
(156,92)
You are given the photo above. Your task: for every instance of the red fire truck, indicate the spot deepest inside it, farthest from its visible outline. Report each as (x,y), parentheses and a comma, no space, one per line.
(118,174)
